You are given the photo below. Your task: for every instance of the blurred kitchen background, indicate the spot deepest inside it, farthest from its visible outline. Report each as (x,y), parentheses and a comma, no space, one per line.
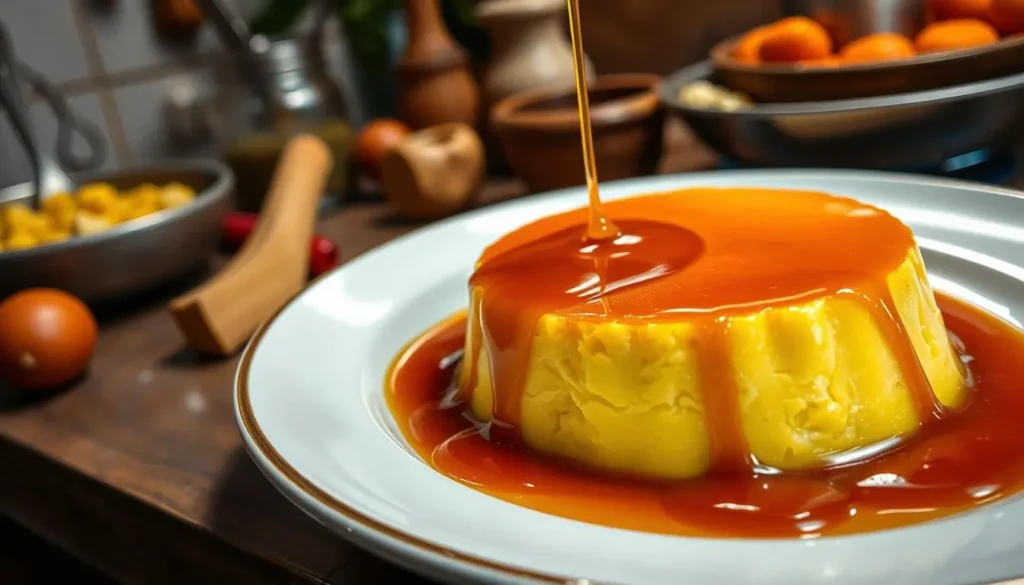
(121,69)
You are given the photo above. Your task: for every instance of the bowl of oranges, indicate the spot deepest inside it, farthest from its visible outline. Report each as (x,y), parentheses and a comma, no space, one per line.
(803,58)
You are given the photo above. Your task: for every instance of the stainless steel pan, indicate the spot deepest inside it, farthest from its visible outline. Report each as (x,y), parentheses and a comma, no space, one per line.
(133,256)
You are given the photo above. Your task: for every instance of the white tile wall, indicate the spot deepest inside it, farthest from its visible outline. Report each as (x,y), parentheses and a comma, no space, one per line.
(14,165)
(132,68)
(126,38)
(141,106)
(46,37)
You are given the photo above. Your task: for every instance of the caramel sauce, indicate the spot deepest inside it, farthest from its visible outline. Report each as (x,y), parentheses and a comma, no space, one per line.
(952,465)
(599,226)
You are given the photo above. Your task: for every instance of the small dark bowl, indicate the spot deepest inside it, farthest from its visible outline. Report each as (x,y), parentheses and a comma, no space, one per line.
(539,131)
(779,83)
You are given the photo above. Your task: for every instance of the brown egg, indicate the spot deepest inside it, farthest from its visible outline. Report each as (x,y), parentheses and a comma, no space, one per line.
(378,138)
(47,338)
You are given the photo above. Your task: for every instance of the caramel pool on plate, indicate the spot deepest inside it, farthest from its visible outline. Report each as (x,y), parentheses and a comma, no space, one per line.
(702,372)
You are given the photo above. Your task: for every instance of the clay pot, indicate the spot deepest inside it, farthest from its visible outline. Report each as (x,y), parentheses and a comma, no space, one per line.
(540,131)
(436,85)
(434,172)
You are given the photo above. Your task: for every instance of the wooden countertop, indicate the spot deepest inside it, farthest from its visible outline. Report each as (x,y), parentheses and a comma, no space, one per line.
(139,469)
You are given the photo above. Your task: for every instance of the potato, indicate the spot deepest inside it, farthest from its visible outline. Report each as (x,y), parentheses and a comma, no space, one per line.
(21,241)
(146,195)
(88,223)
(98,198)
(61,208)
(136,210)
(175,195)
(15,217)
(93,209)
(54,236)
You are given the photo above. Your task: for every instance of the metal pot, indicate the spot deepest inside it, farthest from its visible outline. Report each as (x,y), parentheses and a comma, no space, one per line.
(134,256)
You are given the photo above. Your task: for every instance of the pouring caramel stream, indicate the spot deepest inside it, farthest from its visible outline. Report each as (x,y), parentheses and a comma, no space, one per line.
(599,227)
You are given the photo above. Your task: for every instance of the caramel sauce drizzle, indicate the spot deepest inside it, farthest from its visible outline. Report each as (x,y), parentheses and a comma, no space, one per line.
(882,307)
(599,226)
(726,440)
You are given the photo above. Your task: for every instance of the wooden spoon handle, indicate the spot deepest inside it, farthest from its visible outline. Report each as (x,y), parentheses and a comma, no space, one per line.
(271,267)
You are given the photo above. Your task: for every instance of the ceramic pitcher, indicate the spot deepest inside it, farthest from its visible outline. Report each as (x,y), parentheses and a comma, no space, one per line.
(530,46)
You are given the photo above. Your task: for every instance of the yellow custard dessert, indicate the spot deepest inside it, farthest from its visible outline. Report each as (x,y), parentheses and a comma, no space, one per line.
(723,326)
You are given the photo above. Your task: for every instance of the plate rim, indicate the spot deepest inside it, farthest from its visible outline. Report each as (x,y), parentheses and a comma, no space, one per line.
(270,461)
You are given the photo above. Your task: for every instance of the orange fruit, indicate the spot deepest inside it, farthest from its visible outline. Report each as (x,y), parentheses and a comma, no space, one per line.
(949,35)
(747,49)
(796,38)
(376,139)
(47,338)
(949,9)
(883,46)
(1008,15)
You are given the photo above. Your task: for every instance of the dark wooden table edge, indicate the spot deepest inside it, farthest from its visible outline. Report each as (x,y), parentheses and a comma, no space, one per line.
(144,544)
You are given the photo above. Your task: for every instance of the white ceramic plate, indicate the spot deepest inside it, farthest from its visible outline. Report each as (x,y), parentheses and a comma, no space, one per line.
(310,405)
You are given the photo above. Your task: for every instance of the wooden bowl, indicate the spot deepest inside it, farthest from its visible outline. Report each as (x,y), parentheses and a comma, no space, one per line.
(774,83)
(539,131)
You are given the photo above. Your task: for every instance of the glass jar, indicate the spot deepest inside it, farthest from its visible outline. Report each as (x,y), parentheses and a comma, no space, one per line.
(252,121)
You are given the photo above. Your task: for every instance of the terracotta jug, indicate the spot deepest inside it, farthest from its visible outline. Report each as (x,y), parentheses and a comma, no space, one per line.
(436,85)
(530,47)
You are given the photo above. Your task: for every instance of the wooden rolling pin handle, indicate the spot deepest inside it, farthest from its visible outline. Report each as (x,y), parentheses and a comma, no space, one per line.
(219,316)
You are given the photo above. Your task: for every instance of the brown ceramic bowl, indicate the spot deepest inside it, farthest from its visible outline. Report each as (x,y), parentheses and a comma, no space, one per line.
(539,131)
(777,83)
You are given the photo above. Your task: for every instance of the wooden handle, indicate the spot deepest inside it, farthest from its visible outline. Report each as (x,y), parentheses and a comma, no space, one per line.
(219,316)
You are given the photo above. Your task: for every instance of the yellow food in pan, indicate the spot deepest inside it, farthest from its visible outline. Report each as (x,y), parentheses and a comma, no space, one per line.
(93,209)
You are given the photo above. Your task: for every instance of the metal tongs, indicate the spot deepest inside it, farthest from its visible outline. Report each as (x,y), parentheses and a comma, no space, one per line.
(48,176)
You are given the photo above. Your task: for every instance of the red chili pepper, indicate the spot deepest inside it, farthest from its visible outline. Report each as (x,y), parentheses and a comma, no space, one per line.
(237,228)
(323,254)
